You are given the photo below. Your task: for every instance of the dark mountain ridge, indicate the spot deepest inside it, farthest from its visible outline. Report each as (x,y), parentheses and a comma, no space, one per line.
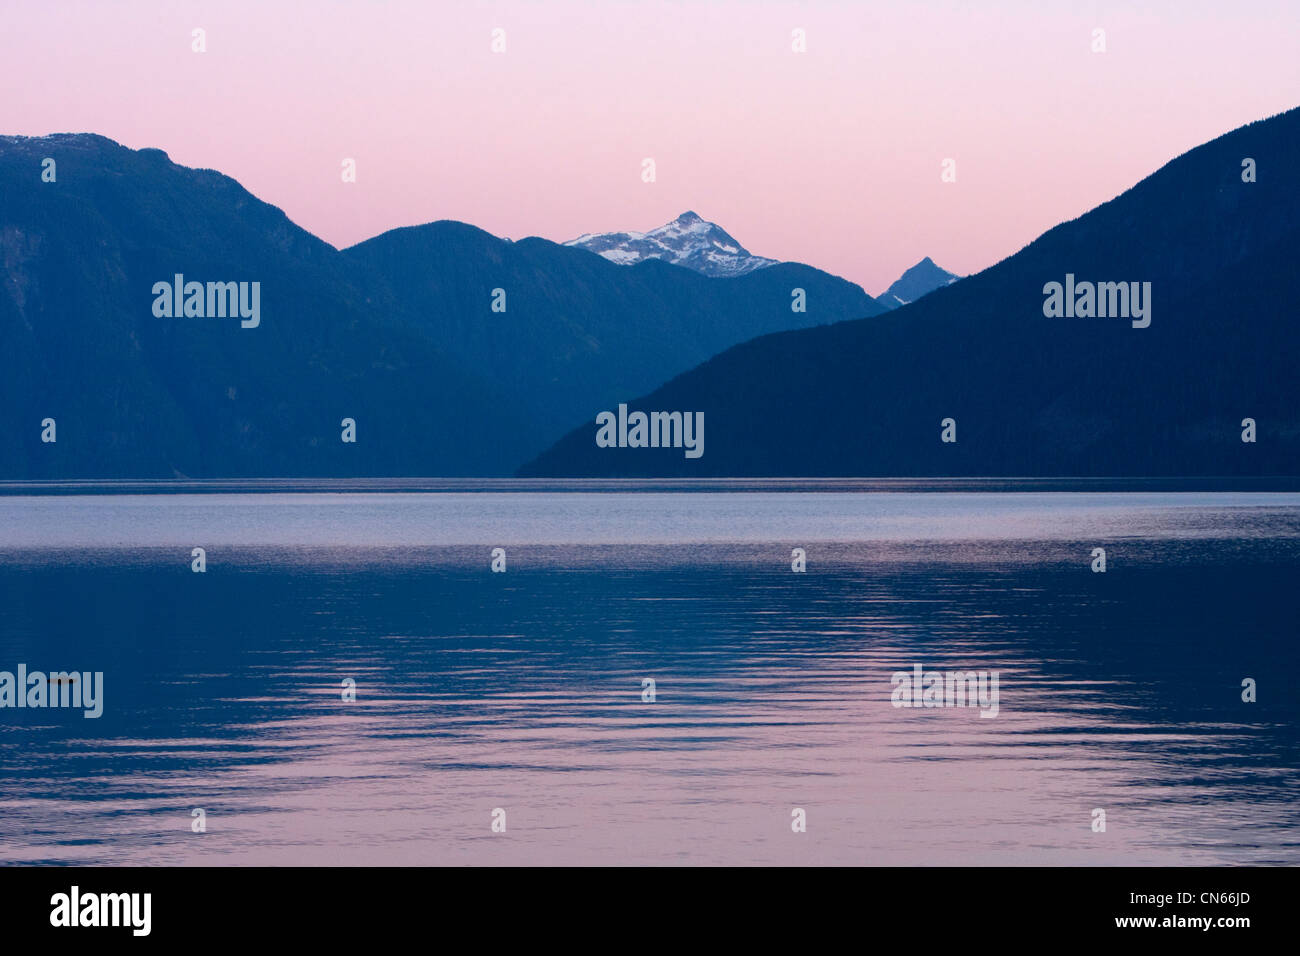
(396,333)
(1034,395)
(578,331)
(134,395)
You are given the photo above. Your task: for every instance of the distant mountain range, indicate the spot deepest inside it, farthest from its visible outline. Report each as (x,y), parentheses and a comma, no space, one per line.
(580,332)
(922,279)
(455,352)
(696,243)
(687,241)
(458,353)
(1015,366)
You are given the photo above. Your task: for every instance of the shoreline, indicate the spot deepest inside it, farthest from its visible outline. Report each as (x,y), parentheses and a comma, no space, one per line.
(1224,484)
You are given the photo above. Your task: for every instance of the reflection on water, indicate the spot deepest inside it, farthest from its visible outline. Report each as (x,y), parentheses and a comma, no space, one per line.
(522,690)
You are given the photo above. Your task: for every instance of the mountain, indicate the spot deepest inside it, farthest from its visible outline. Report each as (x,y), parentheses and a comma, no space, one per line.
(922,279)
(580,332)
(686,241)
(135,395)
(1033,393)
(397,333)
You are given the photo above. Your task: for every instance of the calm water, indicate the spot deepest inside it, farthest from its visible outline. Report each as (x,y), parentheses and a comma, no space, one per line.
(522,690)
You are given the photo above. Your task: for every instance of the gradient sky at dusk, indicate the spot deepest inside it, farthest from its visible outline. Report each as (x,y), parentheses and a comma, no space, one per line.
(830,158)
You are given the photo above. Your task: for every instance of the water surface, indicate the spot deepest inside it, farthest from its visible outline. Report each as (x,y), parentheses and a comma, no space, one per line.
(522,691)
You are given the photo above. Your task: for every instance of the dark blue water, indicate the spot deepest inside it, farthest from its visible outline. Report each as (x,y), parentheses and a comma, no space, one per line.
(522,691)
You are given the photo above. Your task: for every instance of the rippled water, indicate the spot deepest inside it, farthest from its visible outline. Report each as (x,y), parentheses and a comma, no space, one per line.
(522,691)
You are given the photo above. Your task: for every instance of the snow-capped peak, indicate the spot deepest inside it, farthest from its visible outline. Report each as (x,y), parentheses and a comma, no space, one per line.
(688,240)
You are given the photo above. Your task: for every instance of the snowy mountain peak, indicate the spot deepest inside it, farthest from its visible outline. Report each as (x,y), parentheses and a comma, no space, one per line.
(689,240)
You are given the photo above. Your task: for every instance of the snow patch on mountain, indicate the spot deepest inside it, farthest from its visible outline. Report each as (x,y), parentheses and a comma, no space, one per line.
(688,241)
(922,279)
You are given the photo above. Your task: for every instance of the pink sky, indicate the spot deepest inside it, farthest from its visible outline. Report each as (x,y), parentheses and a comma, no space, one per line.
(830,157)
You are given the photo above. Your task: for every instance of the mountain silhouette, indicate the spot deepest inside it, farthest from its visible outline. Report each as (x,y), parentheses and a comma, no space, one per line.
(578,331)
(1033,395)
(396,333)
(133,395)
(922,279)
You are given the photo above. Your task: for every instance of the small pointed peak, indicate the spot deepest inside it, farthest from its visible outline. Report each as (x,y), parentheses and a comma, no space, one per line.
(689,216)
(927,261)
